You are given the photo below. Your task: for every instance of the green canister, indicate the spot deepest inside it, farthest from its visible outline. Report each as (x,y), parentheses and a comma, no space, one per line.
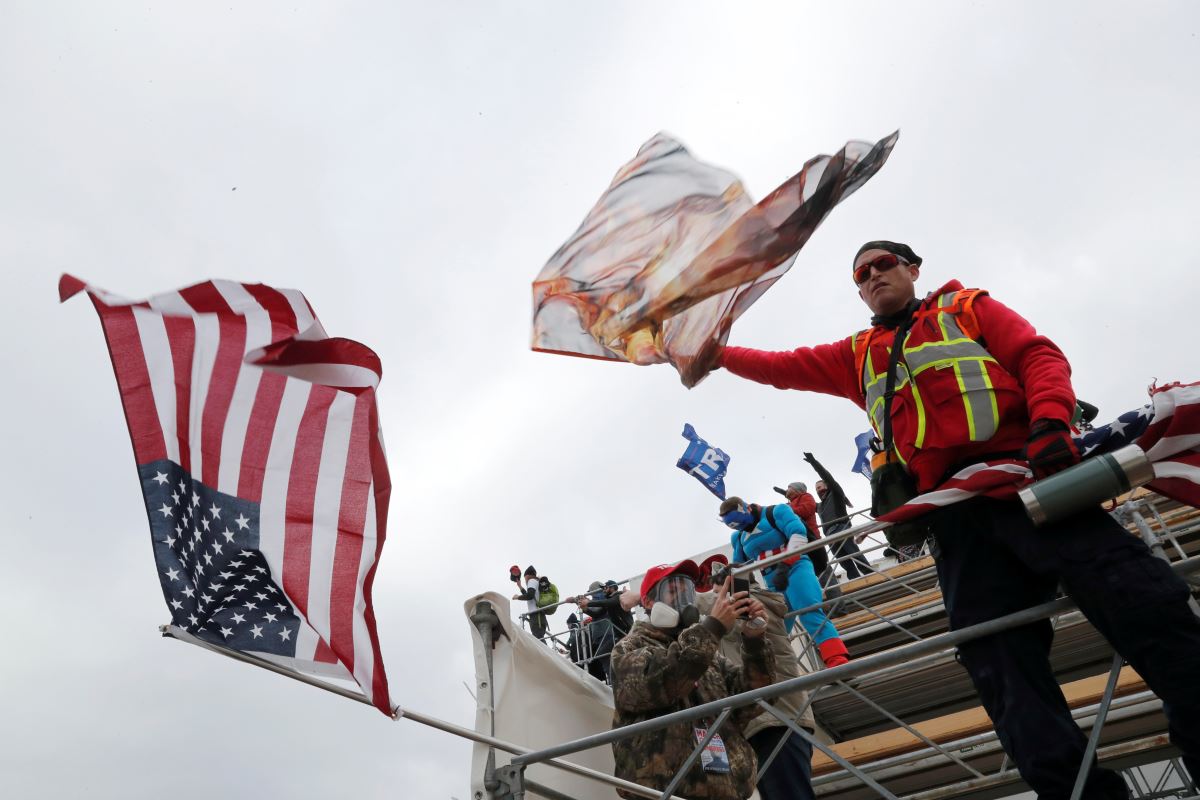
(1088,483)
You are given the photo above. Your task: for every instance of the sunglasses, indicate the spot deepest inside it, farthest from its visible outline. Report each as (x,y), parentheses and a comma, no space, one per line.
(881,264)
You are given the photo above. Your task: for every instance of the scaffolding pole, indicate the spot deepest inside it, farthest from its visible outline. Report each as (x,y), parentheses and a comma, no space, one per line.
(853,669)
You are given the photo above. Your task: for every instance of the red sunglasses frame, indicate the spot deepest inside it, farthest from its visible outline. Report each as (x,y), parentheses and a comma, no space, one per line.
(883,263)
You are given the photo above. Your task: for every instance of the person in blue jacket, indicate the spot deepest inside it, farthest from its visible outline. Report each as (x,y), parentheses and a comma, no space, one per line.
(759,532)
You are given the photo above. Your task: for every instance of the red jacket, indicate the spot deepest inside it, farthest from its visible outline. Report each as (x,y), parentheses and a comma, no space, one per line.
(805,506)
(1031,379)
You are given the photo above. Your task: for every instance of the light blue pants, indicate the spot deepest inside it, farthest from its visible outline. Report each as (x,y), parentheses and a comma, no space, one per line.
(804,590)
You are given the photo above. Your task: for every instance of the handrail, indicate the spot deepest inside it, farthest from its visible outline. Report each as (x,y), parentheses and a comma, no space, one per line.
(857,668)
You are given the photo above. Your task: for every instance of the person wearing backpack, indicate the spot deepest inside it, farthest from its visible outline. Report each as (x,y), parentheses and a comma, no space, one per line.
(538,593)
(759,532)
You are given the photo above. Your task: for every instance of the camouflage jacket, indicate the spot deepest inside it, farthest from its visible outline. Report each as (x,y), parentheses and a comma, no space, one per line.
(655,673)
(786,664)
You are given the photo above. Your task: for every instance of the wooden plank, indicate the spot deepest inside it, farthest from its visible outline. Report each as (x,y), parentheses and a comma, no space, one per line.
(848,621)
(898,571)
(962,724)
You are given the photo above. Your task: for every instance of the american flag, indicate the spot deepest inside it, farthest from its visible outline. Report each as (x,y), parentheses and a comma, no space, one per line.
(1167,429)
(261,460)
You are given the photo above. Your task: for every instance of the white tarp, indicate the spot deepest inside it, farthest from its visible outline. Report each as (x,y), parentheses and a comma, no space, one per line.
(542,699)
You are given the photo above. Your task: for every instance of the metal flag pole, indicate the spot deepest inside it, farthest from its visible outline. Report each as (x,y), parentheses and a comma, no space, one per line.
(398,713)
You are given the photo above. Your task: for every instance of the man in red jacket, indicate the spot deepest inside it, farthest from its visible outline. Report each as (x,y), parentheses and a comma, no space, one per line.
(971,381)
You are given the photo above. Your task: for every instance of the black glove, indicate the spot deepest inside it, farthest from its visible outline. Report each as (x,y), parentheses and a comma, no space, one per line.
(779,579)
(1049,448)
(809,458)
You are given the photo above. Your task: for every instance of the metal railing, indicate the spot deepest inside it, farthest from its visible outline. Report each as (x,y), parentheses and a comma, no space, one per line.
(868,667)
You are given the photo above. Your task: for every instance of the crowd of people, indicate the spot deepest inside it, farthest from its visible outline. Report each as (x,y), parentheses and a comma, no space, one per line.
(948,381)
(638,660)
(603,615)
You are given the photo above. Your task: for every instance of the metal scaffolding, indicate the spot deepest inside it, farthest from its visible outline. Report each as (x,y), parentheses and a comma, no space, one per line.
(904,674)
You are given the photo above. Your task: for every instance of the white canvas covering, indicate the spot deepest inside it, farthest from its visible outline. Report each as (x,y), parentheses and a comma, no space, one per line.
(542,699)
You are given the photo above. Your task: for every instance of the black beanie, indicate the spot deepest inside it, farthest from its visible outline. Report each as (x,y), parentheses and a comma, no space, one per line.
(530,571)
(896,248)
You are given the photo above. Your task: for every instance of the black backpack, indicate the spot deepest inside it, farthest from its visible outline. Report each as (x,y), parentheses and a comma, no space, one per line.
(820,556)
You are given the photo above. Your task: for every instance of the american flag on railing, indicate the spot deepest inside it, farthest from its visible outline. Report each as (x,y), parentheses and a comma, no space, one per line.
(261,462)
(1167,429)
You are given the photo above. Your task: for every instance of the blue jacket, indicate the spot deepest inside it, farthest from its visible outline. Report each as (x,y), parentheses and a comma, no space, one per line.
(748,545)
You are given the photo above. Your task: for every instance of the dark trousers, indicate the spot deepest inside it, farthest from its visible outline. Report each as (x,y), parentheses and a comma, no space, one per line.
(856,563)
(790,775)
(991,561)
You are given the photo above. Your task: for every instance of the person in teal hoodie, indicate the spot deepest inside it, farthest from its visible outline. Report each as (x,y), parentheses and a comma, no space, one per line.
(759,532)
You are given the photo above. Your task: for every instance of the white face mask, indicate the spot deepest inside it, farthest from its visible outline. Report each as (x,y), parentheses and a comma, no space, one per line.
(663,616)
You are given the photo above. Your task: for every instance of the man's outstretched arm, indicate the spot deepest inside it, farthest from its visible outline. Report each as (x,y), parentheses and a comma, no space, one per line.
(826,368)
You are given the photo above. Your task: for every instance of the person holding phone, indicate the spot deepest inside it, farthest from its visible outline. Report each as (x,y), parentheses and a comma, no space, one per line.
(672,662)
(789,774)
(759,532)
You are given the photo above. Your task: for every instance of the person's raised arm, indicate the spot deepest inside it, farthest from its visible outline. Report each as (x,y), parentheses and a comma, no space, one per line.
(830,482)
(826,368)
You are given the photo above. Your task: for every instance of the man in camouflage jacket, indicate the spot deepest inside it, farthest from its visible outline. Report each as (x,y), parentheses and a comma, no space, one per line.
(667,665)
(789,776)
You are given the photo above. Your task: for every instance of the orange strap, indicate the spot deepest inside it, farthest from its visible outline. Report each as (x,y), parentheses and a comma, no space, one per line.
(860,358)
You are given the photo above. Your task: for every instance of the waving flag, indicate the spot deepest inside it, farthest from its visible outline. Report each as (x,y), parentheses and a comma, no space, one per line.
(704,462)
(261,462)
(1167,429)
(862,461)
(675,251)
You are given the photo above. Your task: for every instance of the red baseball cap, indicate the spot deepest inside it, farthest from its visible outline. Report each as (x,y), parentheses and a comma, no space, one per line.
(655,574)
(706,568)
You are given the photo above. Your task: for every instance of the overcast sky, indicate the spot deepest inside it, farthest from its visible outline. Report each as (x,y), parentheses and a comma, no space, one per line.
(410,167)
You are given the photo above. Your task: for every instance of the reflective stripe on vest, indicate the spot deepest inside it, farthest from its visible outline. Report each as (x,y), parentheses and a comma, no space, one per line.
(955,350)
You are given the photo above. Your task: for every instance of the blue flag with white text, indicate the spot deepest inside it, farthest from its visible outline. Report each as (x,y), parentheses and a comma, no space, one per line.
(862,464)
(706,463)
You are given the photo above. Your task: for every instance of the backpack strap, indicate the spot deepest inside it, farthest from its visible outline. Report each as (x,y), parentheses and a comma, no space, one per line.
(770,512)
(964,302)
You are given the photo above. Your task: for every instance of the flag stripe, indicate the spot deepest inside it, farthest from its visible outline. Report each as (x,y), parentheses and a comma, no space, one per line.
(283,318)
(301,491)
(382,491)
(277,470)
(133,382)
(268,397)
(257,325)
(364,669)
(326,511)
(231,337)
(157,350)
(356,484)
(301,311)
(208,338)
(324,654)
(181,336)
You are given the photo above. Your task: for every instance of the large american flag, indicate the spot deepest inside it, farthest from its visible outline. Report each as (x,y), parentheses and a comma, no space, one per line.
(1167,429)
(261,460)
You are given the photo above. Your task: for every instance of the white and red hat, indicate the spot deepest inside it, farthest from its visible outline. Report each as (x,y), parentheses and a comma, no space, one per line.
(687,567)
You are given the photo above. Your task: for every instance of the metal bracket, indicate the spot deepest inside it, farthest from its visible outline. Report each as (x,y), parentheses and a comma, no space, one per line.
(511,782)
